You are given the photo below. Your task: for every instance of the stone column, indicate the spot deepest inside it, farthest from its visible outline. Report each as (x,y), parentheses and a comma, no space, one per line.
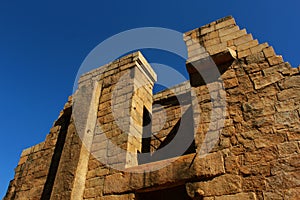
(108,114)
(125,91)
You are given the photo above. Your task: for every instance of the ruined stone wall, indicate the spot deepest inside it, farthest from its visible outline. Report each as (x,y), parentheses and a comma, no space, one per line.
(247,148)
(260,140)
(126,91)
(36,170)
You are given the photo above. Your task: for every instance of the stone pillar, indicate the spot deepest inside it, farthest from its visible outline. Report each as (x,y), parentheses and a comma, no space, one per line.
(130,92)
(125,91)
(108,114)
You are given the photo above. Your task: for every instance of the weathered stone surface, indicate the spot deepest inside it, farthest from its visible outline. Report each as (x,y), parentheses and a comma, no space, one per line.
(286,164)
(254,183)
(118,197)
(222,185)
(272,196)
(232,164)
(288,148)
(210,165)
(269,52)
(239,196)
(116,183)
(292,194)
(230,83)
(265,81)
(290,82)
(283,180)
(255,58)
(251,144)
(275,60)
(291,93)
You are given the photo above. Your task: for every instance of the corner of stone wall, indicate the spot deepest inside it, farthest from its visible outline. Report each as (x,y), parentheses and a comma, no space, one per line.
(33,171)
(257,153)
(125,90)
(261,129)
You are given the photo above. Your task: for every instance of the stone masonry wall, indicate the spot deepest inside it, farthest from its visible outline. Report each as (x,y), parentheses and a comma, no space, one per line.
(37,167)
(260,140)
(256,155)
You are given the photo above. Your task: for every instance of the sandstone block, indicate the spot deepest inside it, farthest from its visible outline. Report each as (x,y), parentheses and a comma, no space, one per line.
(210,165)
(89,193)
(116,183)
(285,106)
(239,196)
(94,182)
(275,60)
(26,152)
(268,80)
(229,74)
(195,52)
(282,68)
(23,160)
(227,31)
(230,83)
(255,58)
(291,93)
(269,52)
(222,185)
(247,45)
(258,48)
(211,35)
(287,118)
(196,46)
(214,49)
(118,197)
(288,163)
(207,29)
(254,183)
(233,36)
(245,53)
(211,42)
(225,23)
(283,180)
(288,148)
(290,82)
(272,195)
(232,164)
(261,156)
(243,39)
(292,194)
(252,68)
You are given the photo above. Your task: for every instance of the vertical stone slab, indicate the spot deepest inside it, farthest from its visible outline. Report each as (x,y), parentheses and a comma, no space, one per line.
(71,176)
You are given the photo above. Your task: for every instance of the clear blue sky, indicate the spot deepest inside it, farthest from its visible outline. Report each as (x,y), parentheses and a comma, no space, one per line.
(42,45)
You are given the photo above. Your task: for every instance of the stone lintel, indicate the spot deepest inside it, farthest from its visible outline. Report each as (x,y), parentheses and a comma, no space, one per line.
(207,67)
(226,56)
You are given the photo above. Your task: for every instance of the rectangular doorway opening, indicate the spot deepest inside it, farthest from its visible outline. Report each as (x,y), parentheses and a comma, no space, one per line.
(174,193)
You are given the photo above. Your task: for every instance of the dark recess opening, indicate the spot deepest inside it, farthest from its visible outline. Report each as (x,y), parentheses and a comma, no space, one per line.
(184,131)
(174,193)
(63,121)
(146,140)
